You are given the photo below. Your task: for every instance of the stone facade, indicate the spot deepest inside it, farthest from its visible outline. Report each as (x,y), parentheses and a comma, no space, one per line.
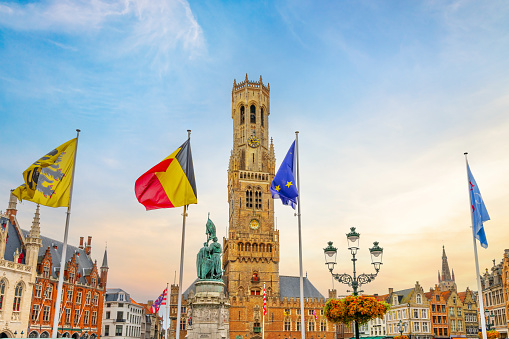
(123,317)
(470,313)
(494,298)
(18,263)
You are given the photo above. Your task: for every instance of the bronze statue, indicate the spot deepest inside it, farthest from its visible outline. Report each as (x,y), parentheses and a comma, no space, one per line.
(208,259)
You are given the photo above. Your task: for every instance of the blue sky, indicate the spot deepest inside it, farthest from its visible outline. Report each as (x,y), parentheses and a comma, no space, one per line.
(387,97)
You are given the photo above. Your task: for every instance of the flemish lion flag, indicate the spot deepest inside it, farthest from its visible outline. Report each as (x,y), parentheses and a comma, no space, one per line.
(48,180)
(170,183)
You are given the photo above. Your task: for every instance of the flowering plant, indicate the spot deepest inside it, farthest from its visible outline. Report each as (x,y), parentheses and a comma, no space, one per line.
(490,334)
(401,337)
(359,308)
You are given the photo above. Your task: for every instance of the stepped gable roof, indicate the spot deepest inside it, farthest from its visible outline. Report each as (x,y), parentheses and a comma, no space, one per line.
(289,287)
(113,294)
(14,240)
(429,295)
(85,263)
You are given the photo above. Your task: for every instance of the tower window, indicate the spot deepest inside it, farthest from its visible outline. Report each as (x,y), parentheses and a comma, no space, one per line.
(242,115)
(258,199)
(249,198)
(253,114)
(261,116)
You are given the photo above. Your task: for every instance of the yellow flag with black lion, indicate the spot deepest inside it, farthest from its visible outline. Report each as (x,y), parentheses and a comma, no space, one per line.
(48,180)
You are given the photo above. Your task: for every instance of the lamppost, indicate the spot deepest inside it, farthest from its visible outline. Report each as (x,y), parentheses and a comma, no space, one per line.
(490,319)
(355,281)
(400,328)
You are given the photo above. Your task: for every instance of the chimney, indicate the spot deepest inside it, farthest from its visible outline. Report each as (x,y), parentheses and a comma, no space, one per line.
(332,294)
(88,248)
(391,290)
(81,242)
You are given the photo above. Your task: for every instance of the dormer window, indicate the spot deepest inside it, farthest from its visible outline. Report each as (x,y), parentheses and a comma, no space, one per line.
(45,271)
(71,277)
(395,300)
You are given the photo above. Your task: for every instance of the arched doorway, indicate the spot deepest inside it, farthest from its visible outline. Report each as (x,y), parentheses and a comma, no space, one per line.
(76,335)
(45,334)
(5,335)
(67,335)
(34,334)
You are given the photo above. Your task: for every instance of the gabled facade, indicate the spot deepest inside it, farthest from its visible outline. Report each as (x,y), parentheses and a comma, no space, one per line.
(495,297)
(455,314)
(411,307)
(122,316)
(438,313)
(470,313)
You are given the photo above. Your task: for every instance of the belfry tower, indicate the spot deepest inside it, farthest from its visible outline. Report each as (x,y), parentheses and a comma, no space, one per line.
(251,251)
(446,282)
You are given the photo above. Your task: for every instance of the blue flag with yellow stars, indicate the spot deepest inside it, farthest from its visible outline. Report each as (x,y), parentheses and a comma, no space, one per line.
(284,186)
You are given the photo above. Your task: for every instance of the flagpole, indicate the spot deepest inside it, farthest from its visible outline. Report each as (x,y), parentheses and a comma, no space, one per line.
(263,313)
(64,247)
(302,324)
(167,312)
(479,287)
(179,303)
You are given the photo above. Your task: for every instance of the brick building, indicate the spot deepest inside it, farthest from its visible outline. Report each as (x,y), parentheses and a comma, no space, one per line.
(495,297)
(251,247)
(469,301)
(438,314)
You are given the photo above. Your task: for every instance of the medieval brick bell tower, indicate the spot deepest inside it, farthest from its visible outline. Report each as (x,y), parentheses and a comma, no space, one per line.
(251,251)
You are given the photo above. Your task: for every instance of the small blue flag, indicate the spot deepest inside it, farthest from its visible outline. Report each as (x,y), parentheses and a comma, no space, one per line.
(479,212)
(284,186)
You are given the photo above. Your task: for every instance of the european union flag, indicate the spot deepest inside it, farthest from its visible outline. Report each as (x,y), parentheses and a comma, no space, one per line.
(479,212)
(284,186)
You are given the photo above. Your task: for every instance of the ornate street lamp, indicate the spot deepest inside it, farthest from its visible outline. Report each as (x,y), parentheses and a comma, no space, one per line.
(354,281)
(400,328)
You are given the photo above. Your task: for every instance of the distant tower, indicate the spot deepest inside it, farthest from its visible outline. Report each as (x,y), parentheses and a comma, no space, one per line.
(104,269)
(446,283)
(251,248)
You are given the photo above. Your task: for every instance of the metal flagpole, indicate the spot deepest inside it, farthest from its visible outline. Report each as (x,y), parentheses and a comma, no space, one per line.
(179,302)
(479,287)
(302,325)
(167,312)
(64,247)
(263,313)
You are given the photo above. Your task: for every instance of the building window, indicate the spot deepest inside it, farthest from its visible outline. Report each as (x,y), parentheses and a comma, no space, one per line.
(424,314)
(242,115)
(311,326)
(86,315)
(94,281)
(416,327)
(107,315)
(249,198)
(253,114)
(460,325)
(69,296)
(416,314)
(38,290)
(458,311)
(118,331)
(94,318)
(298,325)
(453,325)
(425,327)
(120,315)
(35,312)
(49,291)
(17,297)
(45,271)
(182,324)
(258,199)
(2,294)
(67,316)
(451,311)
(106,330)
(323,326)
(78,298)
(76,317)
(71,277)
(87,300)
(418,299)
(288,326)
(45,315)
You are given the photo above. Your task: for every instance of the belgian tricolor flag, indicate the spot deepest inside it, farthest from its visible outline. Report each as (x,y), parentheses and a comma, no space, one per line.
(170,183)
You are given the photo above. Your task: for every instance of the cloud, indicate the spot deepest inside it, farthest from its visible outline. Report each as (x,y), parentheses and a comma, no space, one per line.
(156,26)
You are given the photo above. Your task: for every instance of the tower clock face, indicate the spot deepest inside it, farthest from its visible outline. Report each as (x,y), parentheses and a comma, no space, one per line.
(254,224)
(253,141)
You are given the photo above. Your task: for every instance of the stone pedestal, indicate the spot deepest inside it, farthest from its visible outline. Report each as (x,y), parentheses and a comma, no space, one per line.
(209,311)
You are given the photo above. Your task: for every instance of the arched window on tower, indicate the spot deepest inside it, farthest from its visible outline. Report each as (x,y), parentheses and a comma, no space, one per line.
(253,114)
(261,116)
(17,297)
(249,198)
(258,198)
(2,293)
(242,115)
(269,248)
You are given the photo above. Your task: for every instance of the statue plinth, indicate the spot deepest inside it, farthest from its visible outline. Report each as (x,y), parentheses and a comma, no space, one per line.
(209,311)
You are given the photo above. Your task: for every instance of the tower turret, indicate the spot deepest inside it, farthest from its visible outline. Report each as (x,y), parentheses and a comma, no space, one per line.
(33,241)
(447,283)
(104,269)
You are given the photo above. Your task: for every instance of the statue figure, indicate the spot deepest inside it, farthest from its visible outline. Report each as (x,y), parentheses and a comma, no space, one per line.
(208,259)
(211,230)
